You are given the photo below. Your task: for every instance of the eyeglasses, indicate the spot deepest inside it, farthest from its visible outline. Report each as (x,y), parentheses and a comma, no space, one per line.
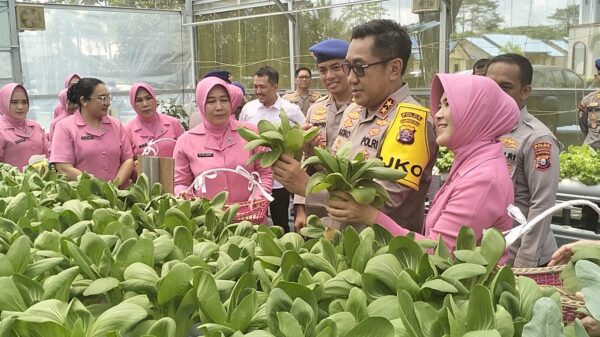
(359,69)
(103,99)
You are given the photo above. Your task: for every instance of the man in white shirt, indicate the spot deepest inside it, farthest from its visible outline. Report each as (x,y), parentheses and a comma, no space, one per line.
(266,106)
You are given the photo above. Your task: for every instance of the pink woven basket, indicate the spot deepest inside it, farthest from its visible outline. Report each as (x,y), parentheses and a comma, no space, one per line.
(550,277)
(254,211)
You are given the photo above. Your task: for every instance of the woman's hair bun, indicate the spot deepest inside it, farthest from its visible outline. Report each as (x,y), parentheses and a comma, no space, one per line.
(72,94)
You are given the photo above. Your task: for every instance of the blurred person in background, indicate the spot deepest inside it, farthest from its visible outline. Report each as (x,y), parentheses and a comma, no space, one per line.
(303,96)
(67,109)
(479,67)
(20,138)
(589,123)
(70,80)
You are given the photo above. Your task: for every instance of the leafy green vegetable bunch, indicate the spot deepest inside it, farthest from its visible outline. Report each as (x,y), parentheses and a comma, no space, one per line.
(282,138)
(444,160)
(581,163)
(355,176)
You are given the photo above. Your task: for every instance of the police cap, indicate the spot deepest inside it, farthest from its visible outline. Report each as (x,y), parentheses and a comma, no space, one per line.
(329,50)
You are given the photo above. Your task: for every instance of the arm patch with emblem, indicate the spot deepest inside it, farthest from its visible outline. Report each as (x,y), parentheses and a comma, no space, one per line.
(542,155)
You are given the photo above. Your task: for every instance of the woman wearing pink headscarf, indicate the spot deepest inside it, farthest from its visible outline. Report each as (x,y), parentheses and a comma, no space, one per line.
(470,113)
(216,144)
(60,109)
(66,106)
(20,138)
(150,128)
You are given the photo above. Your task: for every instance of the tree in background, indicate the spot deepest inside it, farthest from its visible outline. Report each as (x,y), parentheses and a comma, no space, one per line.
(357,14)
(566,16)
(478,16)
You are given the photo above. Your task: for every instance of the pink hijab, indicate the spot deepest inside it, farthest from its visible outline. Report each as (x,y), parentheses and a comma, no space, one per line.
(148,122)
(237,97)
(481,112)
(6,93)
(217,133)
(69,78)
(60,109)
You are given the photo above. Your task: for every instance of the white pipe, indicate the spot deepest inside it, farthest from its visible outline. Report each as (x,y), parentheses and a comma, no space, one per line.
(515,233)
(346,4)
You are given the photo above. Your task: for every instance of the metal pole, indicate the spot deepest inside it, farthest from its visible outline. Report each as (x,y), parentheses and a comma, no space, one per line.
(15,54)
(291,45)
(444,37)
(187,17)
(345,4)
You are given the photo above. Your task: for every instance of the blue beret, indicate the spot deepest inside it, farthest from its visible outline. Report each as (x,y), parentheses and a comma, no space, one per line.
(598,64)
(329,50)
(222,74)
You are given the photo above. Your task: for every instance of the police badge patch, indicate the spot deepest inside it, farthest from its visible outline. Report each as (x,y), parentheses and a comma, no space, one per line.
(542,155)
(406,134)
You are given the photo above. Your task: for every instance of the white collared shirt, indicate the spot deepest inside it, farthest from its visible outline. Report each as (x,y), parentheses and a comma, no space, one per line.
(254,111)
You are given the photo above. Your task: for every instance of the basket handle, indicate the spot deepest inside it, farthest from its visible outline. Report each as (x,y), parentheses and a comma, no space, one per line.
(512,235)
(149,149)
(254,180)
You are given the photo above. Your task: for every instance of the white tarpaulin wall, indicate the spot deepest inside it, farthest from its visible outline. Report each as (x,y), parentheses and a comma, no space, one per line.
(118,46)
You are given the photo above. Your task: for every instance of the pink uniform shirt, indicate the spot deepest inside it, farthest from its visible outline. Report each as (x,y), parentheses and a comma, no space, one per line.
(208,146)
(196,153)
(19,140)
(142,129)
(478,188)
(98,152)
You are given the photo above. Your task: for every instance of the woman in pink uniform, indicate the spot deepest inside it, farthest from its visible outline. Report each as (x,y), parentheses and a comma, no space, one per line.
(69,82)
(20,138)
(67,107)
(215,143)
(90,140)
(150,128)
(470,113)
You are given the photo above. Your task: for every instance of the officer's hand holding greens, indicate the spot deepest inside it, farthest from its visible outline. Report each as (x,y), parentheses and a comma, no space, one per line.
(354,176)
(283,138)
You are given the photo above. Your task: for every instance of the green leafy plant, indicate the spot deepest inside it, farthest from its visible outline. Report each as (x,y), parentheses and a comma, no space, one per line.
(444,160)
(355,176)
(282,138)
(581,163)
(168,107)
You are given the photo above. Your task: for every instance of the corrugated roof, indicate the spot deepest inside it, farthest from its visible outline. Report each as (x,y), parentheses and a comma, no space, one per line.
(527,44)
(485,45)
(561,44)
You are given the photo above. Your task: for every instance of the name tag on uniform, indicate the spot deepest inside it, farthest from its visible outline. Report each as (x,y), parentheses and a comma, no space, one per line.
(90,137)
(19,140)
(205,154)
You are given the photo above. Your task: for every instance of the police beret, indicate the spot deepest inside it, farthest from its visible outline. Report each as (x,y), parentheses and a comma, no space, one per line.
(329,50)
(222,74)
(598,64)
